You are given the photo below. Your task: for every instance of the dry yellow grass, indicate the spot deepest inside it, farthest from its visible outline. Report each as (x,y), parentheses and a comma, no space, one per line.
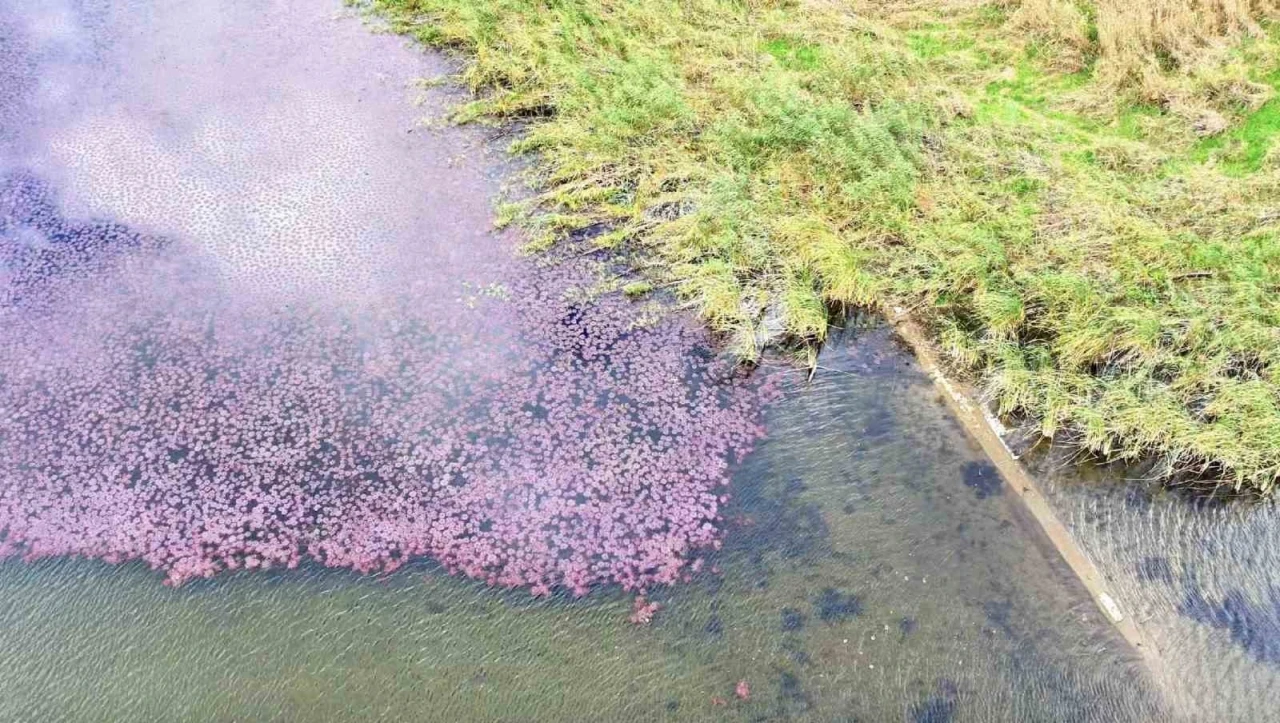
(1060,25)
(1180,54)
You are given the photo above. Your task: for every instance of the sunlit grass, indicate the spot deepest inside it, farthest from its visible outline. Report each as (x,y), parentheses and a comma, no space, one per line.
(1101,272)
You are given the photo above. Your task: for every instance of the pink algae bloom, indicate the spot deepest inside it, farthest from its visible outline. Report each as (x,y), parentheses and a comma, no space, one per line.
(642,612)
(521,439)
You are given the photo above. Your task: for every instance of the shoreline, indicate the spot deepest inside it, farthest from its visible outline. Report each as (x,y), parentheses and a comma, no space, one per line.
(774,165)
(981,426)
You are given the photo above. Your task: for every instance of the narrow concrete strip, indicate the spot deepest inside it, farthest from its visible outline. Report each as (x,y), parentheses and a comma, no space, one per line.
(978,421)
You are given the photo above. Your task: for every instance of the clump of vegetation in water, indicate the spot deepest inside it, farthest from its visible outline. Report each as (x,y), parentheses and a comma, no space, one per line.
(1083,216)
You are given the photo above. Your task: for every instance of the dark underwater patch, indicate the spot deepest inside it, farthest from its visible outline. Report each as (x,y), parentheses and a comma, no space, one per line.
(998,613)
(834,606)
(1155,569)
(907,626)
(714,626)
(776,520)
(878,422)
(983,478)
(792,697)
(1255,627)
(794,648)
(792,620)
(940,706)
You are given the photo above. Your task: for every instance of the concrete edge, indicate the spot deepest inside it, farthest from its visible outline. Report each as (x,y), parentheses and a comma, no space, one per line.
(987,431)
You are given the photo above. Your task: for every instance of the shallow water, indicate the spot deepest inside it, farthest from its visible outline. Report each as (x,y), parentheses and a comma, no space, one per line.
(269,156)
(1201,576)
(862,579)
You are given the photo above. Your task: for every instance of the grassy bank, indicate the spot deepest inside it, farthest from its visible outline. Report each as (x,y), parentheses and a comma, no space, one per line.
(1080,200)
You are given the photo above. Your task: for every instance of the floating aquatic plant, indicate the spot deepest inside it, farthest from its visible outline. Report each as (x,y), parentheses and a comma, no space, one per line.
(152,412)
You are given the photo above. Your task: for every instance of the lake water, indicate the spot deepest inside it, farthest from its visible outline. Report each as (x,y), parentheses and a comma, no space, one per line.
(236,205)
(1201,576)
(873,570)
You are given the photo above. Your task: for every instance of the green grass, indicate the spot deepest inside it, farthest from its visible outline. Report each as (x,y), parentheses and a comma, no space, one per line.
(1243,149)
(1099,277)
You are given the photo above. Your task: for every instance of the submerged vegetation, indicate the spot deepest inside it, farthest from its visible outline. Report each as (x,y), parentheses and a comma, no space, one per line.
(1081,199)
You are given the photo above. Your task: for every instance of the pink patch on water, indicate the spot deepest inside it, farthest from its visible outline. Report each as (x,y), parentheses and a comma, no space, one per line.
(520,438)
